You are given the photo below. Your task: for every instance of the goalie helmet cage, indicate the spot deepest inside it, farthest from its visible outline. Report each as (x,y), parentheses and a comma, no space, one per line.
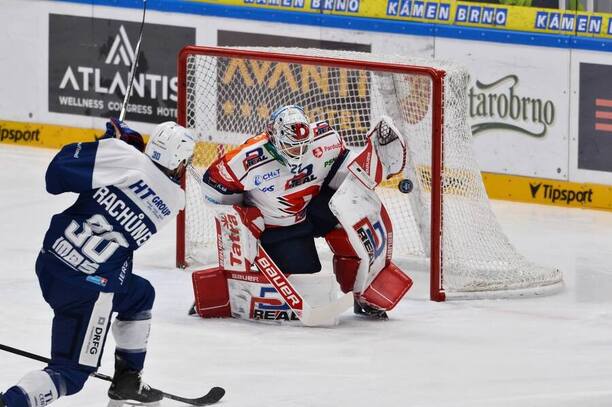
(227,94)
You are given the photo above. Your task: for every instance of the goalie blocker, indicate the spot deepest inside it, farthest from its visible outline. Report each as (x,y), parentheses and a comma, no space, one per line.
(362,244)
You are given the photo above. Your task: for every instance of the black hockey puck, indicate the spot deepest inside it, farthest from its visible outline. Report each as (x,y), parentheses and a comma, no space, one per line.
(405,186)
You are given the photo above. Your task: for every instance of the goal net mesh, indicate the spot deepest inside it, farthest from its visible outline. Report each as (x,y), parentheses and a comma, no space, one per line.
(229,98)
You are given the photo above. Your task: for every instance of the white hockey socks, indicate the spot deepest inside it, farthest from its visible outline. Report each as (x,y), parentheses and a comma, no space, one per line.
(39,388)
(131,336)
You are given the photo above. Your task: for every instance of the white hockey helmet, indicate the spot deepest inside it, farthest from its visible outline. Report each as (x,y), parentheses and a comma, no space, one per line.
(170,145)
(289,132)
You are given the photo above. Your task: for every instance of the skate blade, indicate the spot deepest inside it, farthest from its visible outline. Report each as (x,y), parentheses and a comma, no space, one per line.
(128,403)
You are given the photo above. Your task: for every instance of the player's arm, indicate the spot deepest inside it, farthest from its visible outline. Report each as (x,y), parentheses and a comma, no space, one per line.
(339,169)
(71,170)
(80,167)
(220,185)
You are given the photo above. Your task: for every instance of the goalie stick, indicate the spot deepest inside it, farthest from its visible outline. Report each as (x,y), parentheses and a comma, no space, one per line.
(214,394)
(310,316)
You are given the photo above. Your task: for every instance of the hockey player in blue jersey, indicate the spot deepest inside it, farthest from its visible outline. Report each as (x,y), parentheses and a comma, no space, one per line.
(85,265)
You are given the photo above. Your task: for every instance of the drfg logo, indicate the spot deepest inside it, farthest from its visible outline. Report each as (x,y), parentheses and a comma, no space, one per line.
(563,195)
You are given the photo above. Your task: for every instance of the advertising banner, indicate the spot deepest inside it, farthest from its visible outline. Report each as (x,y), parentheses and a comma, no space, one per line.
(272,85)
(517,109)
(595,117)
(547,192)
(90,60)
(461,13)
(43,135)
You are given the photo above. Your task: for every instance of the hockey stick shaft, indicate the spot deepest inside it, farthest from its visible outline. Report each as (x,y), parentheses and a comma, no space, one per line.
(310,316)
(214,395)
(126,97)
(43,359)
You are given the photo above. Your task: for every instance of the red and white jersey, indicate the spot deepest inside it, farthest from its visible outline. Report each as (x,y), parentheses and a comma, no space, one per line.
(254,175)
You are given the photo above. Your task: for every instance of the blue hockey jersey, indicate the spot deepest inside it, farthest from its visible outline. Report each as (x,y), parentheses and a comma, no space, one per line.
(123,200)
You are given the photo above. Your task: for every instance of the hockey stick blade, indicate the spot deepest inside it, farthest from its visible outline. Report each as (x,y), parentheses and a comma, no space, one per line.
(214,395)
(322,314)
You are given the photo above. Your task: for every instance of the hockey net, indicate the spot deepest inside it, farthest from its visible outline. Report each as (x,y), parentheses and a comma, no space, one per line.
(226,95)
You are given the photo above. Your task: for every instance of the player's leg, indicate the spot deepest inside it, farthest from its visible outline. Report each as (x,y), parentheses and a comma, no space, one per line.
(319,215)
(79,329)
(131,332)
(292,248)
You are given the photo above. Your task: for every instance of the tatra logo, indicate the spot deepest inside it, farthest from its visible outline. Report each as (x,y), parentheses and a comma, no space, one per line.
(506,110)
(121,50)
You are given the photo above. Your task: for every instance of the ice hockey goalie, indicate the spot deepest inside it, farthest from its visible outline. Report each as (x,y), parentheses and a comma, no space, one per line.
(279,190)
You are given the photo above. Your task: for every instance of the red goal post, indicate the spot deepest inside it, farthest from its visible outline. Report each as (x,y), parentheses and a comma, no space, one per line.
(224,95)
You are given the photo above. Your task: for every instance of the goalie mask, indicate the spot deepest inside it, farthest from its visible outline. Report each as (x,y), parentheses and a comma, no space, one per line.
(289,132)
(171,147)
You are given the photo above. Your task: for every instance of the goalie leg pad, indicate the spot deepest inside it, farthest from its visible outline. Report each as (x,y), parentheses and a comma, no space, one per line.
(346,262)
(387,288)
(211,293)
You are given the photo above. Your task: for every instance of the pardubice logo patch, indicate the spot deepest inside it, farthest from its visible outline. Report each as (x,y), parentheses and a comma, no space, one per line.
(562,195)
(90,61)
(499,105)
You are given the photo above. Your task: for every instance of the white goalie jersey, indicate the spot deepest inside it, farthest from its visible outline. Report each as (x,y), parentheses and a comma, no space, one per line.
(253,174)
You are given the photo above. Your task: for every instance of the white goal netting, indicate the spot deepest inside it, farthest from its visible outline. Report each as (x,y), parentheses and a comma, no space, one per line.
(229,97)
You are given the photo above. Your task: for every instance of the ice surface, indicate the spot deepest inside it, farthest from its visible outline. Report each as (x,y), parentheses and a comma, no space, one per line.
(549,351)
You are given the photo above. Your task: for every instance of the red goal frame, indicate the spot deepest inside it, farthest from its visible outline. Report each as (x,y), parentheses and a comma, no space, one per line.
(437,160)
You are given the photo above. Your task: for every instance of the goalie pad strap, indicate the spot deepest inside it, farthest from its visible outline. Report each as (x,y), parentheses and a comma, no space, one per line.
(346,262)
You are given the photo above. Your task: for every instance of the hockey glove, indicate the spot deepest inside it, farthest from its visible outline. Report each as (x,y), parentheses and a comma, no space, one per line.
(118,129)
(252,219)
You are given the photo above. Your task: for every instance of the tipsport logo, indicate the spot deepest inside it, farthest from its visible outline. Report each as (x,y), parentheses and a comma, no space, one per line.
(552,194)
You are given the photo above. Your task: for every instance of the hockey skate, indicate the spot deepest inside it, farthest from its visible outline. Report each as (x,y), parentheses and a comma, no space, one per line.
(127,388)
(368,311)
